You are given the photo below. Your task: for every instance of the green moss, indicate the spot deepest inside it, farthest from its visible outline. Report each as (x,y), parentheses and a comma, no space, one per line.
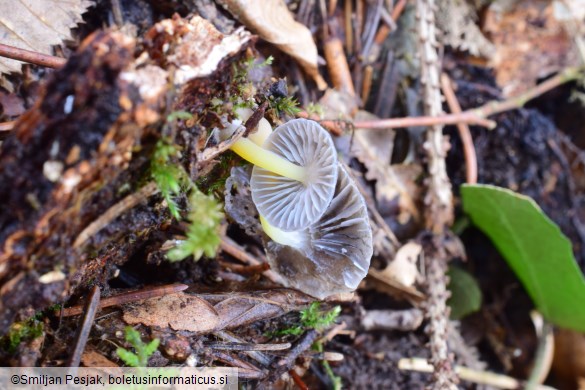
(21,332)
(170,178)
(312,318)
(143,350)
(203,232)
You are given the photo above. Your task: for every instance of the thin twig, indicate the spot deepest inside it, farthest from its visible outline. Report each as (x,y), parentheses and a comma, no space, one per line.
(91,307)
(480,377)
(476,116)
(128,297)
(469,117)
(298,380)
(246,347)
(31,57)
(114,212)
(492,108)
(464,133)
(232,248)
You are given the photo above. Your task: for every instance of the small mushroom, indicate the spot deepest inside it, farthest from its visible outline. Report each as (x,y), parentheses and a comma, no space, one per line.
(333,254)
(287,203)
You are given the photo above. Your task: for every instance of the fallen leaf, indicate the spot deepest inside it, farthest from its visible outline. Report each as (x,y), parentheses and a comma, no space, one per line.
(204,313)
(404,267)
(274,23)
(530,43)
(396,188)
(36,25)
(178,311)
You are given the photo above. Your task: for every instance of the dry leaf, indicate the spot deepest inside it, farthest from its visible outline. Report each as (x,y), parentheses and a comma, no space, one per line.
(203,313)
(395,184)
(404,267)
(527,51)
(241,309)
(36,25)
(178,311)
(273,22)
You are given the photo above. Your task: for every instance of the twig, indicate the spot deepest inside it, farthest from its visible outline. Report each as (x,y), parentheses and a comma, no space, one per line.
(398,8)
(469,117)
(31,57)
(127,297)
(288,361)
(256,355)
(481,377)
(246,347)
(298,380)
(230,247)
(464,133)
(476,116)
(492,108)
(114,212)
(439,210)
(91,307)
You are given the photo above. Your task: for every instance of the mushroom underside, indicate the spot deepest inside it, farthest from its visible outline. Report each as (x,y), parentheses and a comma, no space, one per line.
(288,204)
(338,247)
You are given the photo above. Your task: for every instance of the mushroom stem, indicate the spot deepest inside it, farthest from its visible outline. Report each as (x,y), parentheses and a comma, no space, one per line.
(268,160)
(293,239)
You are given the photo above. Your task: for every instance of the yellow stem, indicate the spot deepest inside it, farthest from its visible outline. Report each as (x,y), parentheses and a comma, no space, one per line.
(294,239)
(268,160)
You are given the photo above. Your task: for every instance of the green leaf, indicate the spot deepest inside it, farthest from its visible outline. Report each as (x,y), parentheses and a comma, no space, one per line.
(465,293)
(535,249)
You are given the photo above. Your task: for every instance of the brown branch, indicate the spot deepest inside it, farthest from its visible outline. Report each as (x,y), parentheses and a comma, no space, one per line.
(31,57)
(469,117)
(492,108)
(464,133)
(439,201)
(475,116)
(91,308)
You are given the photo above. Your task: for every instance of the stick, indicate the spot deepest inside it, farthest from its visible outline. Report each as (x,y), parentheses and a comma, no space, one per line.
(31,57)
(464,133)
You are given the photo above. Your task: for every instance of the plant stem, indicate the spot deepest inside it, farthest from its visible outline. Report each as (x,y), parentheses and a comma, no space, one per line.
(268,160)
(292,239)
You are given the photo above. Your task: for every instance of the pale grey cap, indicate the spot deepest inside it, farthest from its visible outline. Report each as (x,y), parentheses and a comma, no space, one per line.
(286,203)
(336,251)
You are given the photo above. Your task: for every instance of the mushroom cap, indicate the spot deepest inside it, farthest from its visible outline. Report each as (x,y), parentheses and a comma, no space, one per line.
(336,252)
(288,204)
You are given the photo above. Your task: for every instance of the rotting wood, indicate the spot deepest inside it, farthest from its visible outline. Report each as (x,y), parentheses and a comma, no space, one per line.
(75,154)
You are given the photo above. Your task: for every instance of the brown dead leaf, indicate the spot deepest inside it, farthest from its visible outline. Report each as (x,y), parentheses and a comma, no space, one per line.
(203,313)
(395,184)
(273,22)
(178,311)
(530,43)
(36,25)
(241,309)
(404,268)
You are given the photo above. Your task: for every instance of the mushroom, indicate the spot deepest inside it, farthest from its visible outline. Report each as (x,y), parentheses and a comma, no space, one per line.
(333,254)
(287,203)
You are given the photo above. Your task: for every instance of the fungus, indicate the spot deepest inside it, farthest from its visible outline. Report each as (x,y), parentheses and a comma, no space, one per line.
(333,254)
(321,236)
(290,204)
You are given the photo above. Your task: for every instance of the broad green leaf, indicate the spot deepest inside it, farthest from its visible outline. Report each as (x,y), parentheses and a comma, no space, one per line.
(465,293)
(535,249)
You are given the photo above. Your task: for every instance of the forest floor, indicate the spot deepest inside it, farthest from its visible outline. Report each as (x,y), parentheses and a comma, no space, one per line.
(110,169)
